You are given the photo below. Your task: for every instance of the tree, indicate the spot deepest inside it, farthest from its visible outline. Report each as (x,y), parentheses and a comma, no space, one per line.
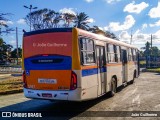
(14,53)
(68,18)
(43,19)
(97,30)
(5,50)
(155,51)
(4,28)
(147,51)
(111,35)
(81,21)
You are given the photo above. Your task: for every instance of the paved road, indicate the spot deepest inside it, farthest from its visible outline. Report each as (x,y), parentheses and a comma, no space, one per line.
(8,76)
(4,76)
(143,95)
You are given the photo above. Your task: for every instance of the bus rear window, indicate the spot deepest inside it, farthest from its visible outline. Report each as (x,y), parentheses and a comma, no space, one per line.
(43,61)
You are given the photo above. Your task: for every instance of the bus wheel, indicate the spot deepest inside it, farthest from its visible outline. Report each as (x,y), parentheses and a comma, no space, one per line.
(113,87)
(134,76)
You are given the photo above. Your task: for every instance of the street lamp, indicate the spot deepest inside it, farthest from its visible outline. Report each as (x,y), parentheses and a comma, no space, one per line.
(30,8)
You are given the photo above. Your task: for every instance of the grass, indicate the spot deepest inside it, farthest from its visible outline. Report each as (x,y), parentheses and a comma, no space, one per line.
(153,70)
(11,85)
(143,62)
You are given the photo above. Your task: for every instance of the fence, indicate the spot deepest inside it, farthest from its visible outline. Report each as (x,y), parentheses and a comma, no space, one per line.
(10,70)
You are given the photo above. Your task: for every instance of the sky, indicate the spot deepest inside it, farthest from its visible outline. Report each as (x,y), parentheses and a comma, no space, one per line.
(141,18)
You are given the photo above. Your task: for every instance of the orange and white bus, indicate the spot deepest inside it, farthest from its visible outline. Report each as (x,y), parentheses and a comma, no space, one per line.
(75,65)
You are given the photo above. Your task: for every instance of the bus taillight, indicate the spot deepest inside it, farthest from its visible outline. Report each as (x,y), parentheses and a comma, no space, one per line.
(73,81)
(24,79)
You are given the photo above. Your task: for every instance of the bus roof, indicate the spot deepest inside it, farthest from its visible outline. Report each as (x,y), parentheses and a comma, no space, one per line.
(47,31)
(103,38)
(80,32)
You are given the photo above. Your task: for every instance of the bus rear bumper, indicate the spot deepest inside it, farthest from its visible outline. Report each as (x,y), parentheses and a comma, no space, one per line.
(71,95)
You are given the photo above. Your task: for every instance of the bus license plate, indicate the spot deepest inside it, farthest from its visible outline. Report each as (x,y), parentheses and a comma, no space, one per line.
(48,95)
(47,81)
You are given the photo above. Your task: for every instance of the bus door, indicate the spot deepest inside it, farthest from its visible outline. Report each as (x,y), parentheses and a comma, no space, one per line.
(138,63)
(101,69)
(124,65)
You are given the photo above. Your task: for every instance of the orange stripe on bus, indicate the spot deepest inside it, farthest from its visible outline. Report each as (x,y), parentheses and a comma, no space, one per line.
(88,67)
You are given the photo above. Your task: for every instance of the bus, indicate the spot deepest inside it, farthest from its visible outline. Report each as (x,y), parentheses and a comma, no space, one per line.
(75,65)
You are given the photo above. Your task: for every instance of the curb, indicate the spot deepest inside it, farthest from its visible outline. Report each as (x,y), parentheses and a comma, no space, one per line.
(11,92)
(150,71)
(15,75)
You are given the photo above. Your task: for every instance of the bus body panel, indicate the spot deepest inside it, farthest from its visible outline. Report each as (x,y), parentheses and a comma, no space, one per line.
(49,79)
(132,67)
(89,85)
(48,60)
(114,69)
(48,43)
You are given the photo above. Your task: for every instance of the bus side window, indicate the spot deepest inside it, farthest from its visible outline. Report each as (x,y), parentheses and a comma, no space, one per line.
(120,57)
(111,52)
(118,54)
(134,55)
(87,51)
(129,54)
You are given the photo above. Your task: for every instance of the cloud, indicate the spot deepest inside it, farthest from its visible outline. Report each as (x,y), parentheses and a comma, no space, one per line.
(155,24)
(135,8)
(10,22)
(89,1)
(12,42)
(21,21)
(106,28)
(157,34)
(116,26)
(139,38)
(90,20)
(6,22)
(124,36)
(112,1)
(154,12)
(100,28)
(144,26)
(68,10)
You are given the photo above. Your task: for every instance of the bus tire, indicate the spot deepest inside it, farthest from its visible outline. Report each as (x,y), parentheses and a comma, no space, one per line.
(134,76)
(113,87)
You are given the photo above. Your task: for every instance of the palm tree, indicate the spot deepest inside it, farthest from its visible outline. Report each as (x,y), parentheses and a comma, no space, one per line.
(81,21)
(57,19)
(68,18)
(3,23)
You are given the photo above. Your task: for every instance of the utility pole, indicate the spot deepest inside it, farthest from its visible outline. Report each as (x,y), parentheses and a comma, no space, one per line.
(151,41)
(30,9)
(17,44)
(131,38)
(151,44)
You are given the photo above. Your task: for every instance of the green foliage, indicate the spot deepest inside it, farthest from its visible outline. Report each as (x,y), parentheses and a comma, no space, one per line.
(81,21)
(154,51)
(14,53)
(96,29)
(4,28)
(46,18)
(5,50)
(153,70)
